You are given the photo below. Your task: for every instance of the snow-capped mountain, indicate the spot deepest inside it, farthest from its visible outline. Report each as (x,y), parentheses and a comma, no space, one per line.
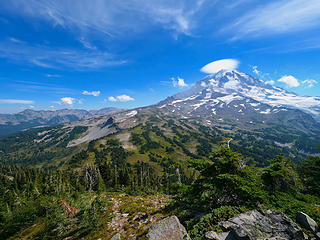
(242,99)
(229,100)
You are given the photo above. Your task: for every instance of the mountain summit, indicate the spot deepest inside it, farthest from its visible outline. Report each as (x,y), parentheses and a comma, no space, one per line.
(232,96)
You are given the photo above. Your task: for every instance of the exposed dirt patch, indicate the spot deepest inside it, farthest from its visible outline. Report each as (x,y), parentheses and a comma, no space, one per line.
(124,138)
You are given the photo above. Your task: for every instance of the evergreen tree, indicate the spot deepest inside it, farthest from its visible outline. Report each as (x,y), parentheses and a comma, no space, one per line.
(281,176)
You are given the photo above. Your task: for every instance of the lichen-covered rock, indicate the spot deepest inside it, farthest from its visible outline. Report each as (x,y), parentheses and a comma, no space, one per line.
(276,238)
(255,225)
(116,237)
(168,229)
(307,222)
(219,236)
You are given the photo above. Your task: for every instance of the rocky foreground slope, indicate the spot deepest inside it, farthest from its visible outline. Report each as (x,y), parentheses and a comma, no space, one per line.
(252,225)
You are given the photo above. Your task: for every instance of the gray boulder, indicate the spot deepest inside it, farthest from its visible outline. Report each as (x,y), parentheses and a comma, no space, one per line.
(276,238)
(219,236)
(116,237)
(255,225)
(168,229)
(307,222)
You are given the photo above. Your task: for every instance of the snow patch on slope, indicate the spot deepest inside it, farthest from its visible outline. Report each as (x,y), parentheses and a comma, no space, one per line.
(229,98)
(132,113)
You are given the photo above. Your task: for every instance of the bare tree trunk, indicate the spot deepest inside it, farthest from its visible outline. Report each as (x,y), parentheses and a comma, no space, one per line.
(178,174)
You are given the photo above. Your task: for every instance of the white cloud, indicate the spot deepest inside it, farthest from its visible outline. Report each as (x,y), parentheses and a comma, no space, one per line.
(203,84)
(35,87)
(87,44)
(271,82)
(111,18)
(116,19)
(224,64)
(121,98)
(124,98)
(290,81)
(57,58)
(16,101)
(67,100)
(112,99)
(276,18)
(52,75)
(255,70)
(309,83)
(15,40)
(179,82)
(93,93)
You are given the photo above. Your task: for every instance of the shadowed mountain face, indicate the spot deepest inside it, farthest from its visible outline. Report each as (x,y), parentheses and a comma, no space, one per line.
(232,97)
(11,123)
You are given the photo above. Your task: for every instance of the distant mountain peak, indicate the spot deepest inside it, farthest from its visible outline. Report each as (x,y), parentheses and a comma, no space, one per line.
(11,123)
(244,85)
(240,98)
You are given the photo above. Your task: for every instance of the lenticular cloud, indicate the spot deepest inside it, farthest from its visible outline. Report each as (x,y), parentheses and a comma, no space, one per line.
(224,64)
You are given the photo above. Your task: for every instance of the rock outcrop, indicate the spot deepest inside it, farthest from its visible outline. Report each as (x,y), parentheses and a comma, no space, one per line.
(252,225)
(116,237)
(168,229)
(308,223)
(219,236)
(255,225)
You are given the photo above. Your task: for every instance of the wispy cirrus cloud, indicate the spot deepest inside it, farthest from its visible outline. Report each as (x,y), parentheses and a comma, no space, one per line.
(33,87)
(57,58)
(111,17)
(52,75)
(249,18)
(276,17)
(16,101)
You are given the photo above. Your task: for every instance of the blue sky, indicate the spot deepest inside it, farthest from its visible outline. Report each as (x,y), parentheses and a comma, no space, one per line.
(92,54)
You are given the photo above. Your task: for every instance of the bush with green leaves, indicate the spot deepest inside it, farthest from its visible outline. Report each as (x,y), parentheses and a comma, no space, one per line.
(227,186)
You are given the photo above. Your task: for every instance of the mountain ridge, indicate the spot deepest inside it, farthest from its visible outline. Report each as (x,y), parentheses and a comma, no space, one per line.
(227,82)
(12,123)
(208,103)
(231,96)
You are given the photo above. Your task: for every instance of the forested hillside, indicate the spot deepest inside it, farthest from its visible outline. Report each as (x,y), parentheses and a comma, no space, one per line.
(31,198)
(161,158)
(153,134)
